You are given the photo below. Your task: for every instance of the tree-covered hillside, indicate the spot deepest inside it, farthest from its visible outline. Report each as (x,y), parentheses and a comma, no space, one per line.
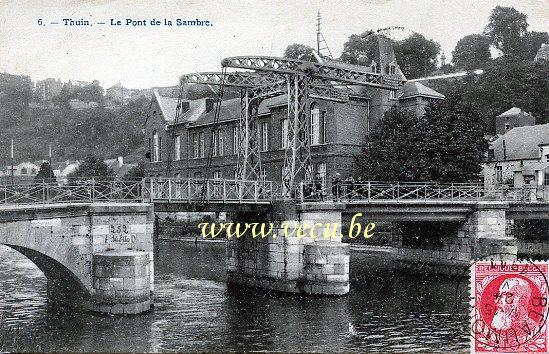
(73,133)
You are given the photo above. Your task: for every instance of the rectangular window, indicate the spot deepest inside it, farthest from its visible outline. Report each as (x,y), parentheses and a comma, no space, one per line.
(214,143)
(499,174)
(264,136)
(177,148)
(546,178)
(198,175)
(202,144)
(284,130)
(220,142)
(323,139)
(315,126)
(159,148)
(263,174)
(235,140)
(321,172)
(196,146)
(217,174)
(392,94)
(235,174)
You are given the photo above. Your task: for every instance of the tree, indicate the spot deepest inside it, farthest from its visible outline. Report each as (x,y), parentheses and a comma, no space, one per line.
(387,153)
(509,82)
(136,173)
(45,174)
(92,167)
(506,27)
(453,144)
(533,41)
(451,148)
(417,55)
(90,93)
(298,51)
(472,52)
(360,49)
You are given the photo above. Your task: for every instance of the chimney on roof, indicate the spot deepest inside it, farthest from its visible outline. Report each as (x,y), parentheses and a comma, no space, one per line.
(209,103)
(120,161)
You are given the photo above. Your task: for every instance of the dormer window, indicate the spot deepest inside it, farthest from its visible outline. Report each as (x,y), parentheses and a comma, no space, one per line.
(392,69)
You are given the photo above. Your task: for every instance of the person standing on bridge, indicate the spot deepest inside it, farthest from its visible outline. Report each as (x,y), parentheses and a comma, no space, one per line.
(319,193)
(350,187)
(336,186)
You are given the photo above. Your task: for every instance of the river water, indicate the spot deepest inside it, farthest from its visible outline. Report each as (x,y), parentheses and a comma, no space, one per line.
(194,311)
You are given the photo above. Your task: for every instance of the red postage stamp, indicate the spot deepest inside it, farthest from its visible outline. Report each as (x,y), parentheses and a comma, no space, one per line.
(509,307)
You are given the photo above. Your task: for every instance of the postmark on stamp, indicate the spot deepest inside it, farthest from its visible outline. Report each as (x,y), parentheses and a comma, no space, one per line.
(509,307)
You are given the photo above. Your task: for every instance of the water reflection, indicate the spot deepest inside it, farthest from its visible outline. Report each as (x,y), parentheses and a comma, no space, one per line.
(194,311)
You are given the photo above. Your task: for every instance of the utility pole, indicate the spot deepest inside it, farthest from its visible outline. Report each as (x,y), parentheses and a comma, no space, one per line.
(321,43)
(50,155)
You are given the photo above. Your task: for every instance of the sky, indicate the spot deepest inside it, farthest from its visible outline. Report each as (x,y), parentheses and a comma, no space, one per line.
(146,56)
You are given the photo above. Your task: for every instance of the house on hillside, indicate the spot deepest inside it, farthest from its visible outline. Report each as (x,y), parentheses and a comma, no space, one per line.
(520,158)
(180,148)
(118,166)
(513,118)
(23,173)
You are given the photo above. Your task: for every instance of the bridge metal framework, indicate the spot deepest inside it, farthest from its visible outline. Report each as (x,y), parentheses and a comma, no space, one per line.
(271,77)
(173,190)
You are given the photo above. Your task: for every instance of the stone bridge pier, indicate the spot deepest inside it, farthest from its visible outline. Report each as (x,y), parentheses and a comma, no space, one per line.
(95,256)
(296,263)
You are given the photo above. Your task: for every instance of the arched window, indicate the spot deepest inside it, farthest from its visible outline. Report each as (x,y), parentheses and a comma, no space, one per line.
(315,124)
(156,147)
(373,67)
(391,69)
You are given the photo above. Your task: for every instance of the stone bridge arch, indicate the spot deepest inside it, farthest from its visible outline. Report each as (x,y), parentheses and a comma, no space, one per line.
(95,256)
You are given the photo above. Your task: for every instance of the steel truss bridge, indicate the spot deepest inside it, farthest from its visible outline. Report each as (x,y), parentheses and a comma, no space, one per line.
(221,191)
(300,80)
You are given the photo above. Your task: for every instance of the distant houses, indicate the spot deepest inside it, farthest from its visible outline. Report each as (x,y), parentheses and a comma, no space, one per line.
(513,118)
(26,171)
(519,156)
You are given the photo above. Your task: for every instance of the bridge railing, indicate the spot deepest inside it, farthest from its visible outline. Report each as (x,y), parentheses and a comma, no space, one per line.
(81,190)
(373,190)
(209,191)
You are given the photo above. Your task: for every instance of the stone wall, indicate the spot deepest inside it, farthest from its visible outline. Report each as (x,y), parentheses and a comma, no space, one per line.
(486,234)
(64,241)
(121,282)
(289,264)
(293,264)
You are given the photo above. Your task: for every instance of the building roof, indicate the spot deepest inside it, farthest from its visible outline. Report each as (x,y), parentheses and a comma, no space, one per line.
(168,106)
(521,142)
(515,111)
(413,89)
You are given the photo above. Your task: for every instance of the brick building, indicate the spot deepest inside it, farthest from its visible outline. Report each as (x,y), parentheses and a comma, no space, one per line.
(337,134)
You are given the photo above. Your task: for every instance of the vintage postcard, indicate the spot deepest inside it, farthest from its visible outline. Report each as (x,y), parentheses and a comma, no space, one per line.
(274,176)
